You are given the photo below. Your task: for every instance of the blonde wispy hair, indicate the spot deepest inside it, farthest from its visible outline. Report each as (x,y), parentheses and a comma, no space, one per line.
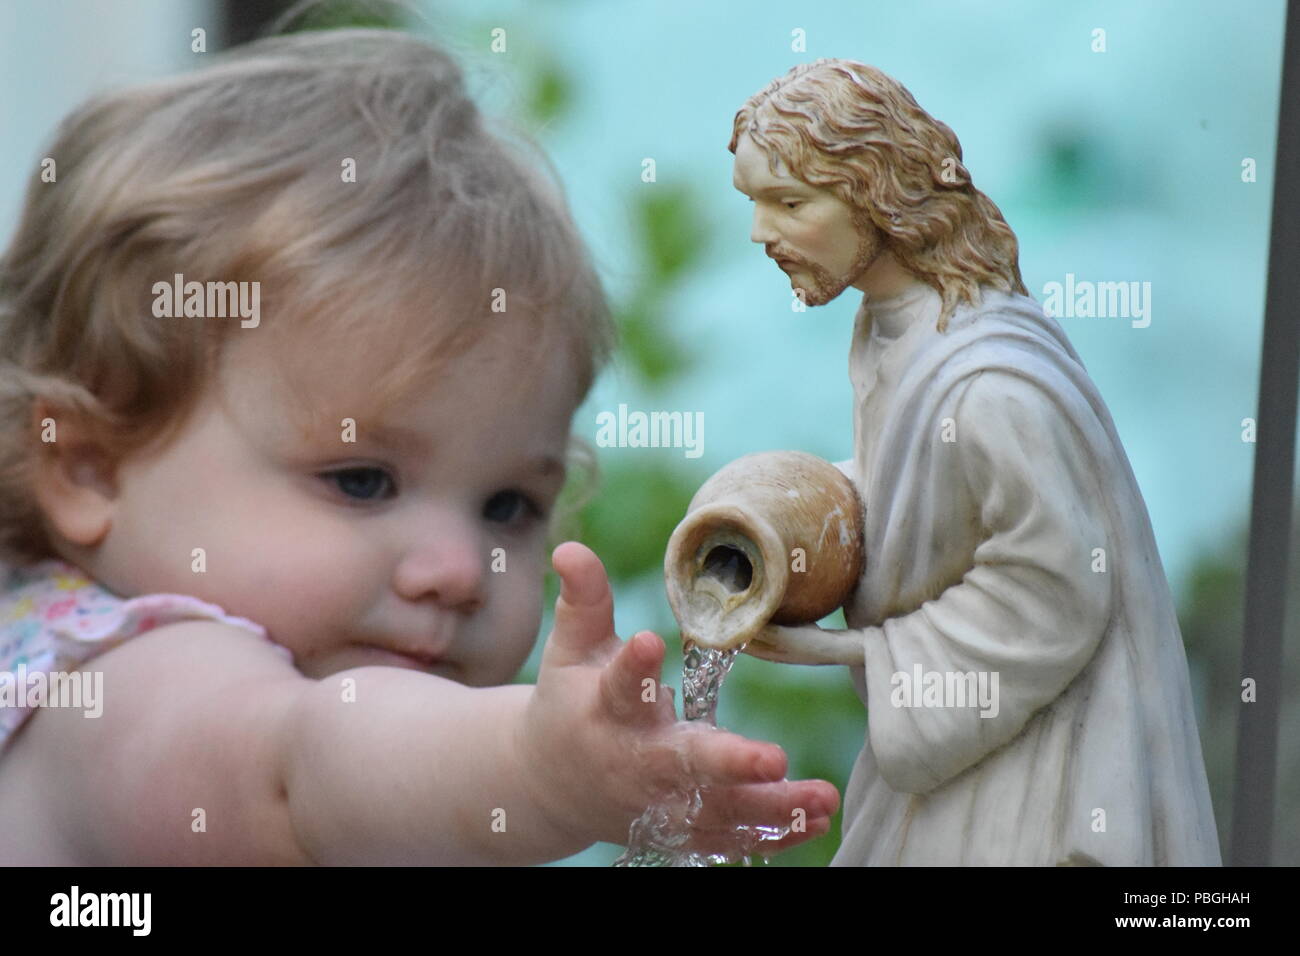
(846,126)
(234,173)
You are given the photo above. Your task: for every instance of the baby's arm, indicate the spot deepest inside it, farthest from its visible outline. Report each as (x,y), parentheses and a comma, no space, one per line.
(416,770)
(212,749)
(201,716)
(182,766)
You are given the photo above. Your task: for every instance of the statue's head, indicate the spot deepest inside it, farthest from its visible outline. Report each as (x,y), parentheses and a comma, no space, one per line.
(853,135)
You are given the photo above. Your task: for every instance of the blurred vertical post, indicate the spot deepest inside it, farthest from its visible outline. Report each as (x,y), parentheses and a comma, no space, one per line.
(1270,510)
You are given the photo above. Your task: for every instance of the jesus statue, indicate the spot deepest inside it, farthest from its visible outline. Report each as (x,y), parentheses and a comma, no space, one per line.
(1007,545)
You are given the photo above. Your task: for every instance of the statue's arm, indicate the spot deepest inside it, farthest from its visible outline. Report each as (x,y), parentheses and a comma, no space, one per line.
(1031,609)
(810,644)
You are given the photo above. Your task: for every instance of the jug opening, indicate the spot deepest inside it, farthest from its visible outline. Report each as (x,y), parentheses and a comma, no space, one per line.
(730,567)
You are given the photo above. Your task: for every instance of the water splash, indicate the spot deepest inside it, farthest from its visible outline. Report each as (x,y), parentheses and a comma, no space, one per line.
(660,835)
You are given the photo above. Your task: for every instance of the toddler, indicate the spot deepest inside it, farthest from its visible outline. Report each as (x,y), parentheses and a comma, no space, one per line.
(289,351)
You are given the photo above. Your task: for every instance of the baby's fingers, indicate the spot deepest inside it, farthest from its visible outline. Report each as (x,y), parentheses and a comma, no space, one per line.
(629,685)
(758,818)
(795,804)
(763,818)
(584,611)
(714,757)
(733,844)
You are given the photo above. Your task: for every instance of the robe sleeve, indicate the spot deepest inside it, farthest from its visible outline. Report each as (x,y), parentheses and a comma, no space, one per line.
(1031,609)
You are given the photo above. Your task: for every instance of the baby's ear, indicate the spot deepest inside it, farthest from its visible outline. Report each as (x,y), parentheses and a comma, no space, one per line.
(74,478)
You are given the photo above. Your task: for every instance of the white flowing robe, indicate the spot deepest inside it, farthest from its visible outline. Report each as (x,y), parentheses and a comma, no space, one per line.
(981,556)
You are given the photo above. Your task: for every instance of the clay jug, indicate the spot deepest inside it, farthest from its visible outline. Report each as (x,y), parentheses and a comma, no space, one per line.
(773,537)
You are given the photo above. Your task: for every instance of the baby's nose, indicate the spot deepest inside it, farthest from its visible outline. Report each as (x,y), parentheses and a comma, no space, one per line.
(449,571)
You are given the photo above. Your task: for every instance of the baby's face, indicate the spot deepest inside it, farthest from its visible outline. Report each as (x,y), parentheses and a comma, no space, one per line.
(380,551)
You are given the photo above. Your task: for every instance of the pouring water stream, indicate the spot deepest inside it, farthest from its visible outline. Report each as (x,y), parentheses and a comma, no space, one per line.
(661,835)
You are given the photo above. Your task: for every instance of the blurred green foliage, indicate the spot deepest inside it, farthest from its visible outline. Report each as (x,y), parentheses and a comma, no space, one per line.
(672,233)
(550,92)
(634,515)
(339,14)
(672,237)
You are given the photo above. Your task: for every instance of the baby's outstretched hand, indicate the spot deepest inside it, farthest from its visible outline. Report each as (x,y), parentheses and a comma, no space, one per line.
(601,740)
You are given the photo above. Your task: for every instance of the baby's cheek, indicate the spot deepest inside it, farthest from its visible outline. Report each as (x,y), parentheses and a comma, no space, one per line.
(516,616)
(525,603)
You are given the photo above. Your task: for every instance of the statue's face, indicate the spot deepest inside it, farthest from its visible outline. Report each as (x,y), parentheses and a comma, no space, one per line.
(813,234)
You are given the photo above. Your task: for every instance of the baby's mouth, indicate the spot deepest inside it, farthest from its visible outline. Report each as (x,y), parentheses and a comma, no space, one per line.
(413,657)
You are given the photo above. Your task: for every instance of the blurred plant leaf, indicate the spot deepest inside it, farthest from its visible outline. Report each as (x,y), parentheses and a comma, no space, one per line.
(639,505)
(341,14)
(672,233)
(648,345)
(550,93)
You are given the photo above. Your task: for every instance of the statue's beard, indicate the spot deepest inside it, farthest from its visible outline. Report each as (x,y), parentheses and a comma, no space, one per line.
(825,285)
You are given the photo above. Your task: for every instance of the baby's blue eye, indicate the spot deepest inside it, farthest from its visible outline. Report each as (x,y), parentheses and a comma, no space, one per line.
(360,483)
(510,506)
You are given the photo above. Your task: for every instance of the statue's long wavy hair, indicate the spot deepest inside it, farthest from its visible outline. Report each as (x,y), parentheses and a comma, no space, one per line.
(846,126)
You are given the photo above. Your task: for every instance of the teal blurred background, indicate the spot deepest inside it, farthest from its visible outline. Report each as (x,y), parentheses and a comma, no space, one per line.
(1123,165)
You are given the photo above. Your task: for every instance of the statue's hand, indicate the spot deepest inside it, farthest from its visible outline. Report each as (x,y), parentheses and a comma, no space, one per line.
(807,644)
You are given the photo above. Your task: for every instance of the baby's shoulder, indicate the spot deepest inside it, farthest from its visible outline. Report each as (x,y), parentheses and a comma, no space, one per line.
(146,682)
(159,706)
(195,652)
